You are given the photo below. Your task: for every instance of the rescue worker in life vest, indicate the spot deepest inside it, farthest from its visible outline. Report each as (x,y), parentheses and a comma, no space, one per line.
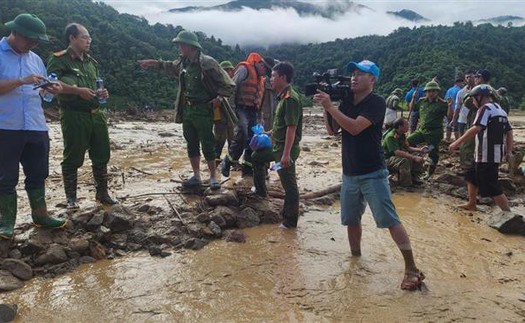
(249,79)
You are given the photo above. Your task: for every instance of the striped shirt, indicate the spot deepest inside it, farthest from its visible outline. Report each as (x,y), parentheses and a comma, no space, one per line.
(490,141)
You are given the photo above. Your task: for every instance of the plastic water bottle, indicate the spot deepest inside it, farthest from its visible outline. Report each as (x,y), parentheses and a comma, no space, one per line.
(100,88)
(427,149)
(276,166)
(48,97)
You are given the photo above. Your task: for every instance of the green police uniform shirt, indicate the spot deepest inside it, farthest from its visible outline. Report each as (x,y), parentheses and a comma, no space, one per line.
(392,142)
(289,112)
(431,114)
(73,71)
(194,89)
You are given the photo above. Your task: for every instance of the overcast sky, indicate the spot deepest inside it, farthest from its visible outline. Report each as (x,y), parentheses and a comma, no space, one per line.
(272,26)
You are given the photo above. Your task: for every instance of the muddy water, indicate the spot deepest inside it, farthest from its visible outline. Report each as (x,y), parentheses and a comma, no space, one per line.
(473,272)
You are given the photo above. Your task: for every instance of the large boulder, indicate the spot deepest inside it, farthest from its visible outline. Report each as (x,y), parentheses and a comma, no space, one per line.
(507,222)
(118,219)
(224,216)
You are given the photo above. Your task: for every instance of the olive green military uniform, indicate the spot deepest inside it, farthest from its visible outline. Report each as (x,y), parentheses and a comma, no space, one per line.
(289,112)
(84,126)
(467,148)
(430,128)
(406,169)
(201,80)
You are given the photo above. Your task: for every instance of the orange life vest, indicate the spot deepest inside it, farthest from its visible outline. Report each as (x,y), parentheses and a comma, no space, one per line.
(250,91)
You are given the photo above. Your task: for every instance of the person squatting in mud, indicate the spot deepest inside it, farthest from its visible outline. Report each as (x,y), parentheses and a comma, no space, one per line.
(360,118)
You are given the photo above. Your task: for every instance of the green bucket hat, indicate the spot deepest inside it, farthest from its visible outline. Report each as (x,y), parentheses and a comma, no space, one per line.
(29,25)
(226,65)
(432,85)
(187,37)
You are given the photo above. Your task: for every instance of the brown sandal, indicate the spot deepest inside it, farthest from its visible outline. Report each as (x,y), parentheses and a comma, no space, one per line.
(412,280)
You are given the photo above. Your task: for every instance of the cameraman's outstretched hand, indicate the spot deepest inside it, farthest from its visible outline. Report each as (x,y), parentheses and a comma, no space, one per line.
(323,99)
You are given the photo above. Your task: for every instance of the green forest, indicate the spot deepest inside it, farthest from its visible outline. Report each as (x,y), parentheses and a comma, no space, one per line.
(119,40)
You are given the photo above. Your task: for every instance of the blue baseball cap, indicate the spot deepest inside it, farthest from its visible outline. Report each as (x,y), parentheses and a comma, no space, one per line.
(365,66)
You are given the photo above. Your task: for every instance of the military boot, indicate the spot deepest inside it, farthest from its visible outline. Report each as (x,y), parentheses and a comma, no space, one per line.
(100,174)
(247,169)
(7,215)
(70,188)
(37,201)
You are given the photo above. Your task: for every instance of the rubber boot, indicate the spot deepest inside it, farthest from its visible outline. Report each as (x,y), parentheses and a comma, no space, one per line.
(37,200)
(430,171)
(8,210)
(100,174)
(70,188)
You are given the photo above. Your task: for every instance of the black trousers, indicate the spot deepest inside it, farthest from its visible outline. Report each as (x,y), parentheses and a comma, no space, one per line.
(29,148)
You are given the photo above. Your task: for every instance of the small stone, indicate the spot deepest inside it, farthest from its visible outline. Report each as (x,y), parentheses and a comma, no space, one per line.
(118,220)
(97,250)
(203,218)
(219,220)
(18,268)
(119,240)
(86,260)
(248,218)
(8,312)
(224,198)
(236,236)
(215,229)
(31,247)
(154,251)
(15,254)
(144,208)
(79,245)
(96,220)
(9,282)
(54,255)
(195,243)
(165,254)
(82,218)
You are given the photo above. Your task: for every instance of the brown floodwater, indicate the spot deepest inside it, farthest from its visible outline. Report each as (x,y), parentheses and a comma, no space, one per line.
(473,272)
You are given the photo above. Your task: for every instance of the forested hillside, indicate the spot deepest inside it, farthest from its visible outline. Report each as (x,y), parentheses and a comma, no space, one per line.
(423,52)
(120,39)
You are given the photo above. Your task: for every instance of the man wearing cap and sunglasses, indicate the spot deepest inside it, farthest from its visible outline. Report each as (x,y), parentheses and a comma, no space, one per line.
(203,84)
(364,172)
(24,135)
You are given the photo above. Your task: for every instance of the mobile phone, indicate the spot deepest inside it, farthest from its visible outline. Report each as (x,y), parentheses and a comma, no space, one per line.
(45,83)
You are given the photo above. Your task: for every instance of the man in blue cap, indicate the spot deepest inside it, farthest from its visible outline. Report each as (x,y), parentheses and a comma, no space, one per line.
(23,131)
(360,117)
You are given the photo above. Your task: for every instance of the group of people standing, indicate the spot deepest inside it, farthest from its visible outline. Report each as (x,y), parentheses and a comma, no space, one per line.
(23,131)
(475,113)
(218,103)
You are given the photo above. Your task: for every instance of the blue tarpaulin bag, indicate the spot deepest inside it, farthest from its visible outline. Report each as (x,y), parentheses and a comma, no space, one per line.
(260,140)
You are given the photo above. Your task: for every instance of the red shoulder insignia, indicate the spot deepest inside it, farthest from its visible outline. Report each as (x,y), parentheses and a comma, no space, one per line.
(60,53)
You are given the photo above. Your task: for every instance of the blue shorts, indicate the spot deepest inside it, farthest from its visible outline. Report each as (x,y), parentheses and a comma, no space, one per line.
(373,188)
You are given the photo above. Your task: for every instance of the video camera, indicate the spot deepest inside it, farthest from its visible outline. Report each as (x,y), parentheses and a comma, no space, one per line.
(338,90)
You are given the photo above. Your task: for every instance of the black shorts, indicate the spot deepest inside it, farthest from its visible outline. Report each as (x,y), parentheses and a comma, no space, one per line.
(485,177)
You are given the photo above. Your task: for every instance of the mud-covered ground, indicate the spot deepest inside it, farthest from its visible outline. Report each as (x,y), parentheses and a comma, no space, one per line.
(149,161)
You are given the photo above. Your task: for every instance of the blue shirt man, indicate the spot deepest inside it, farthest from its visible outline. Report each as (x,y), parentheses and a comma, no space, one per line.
(450,97)
(20,108)
(23,131)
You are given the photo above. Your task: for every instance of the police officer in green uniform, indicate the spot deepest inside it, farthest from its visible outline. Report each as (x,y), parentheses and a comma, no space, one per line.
(399,155)
(84,126)
(286,135)
(432,110)
(203,84)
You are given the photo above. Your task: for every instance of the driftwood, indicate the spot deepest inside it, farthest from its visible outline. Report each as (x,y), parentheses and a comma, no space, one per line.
(141,171)
(307,196)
